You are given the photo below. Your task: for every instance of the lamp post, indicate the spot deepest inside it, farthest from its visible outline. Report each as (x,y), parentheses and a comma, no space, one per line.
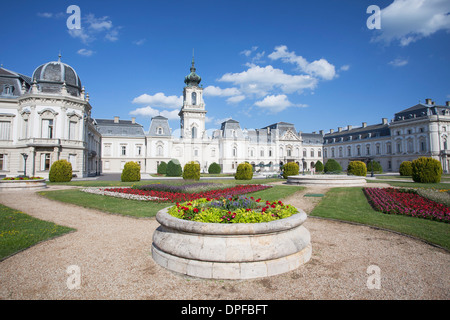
(371,162)
(303,165)
(25,157)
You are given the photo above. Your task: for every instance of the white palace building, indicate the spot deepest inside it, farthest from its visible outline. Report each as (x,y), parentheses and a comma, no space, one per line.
(48,116)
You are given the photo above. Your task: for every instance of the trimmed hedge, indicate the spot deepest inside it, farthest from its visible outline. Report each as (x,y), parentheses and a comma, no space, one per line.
(214,168)
(131,172)
(162,168)
(191,171)
(319,166)
(60,171)
(332,166)
(405,168)
(244,171)
(377,168)
(174,168)
(426,170)
(357,168)
(290,169)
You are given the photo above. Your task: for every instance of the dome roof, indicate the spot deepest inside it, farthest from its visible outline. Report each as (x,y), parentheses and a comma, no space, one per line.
(51,75)
(192,79)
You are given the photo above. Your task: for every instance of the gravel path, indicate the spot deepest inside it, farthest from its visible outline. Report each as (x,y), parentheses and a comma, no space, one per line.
(112,253)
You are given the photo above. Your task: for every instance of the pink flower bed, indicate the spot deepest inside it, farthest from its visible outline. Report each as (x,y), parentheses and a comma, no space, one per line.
(393,201)
(164,196)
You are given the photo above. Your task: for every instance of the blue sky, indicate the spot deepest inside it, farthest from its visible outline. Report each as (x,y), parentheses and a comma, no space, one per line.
(315,64)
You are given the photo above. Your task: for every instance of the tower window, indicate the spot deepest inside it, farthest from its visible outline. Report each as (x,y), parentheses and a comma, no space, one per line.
(194,132)
(194,98)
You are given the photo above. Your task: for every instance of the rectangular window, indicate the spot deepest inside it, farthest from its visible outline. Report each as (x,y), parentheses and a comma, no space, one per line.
(139,150)
(47,129)
(312,153)
(45,161)
(5,128)
(25,129)
(378,149)
(73,161)
(107,150)
(399,148)
(2,162)
(123,151)
(72,127)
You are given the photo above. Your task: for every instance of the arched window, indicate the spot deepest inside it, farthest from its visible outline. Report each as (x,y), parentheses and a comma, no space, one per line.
(194,132)
(160,130)
(194,98)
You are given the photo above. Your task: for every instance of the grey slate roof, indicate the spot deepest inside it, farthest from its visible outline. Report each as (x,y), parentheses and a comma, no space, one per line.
(125,128)
(376,130)
(420,110)
(14,80)
(159,122)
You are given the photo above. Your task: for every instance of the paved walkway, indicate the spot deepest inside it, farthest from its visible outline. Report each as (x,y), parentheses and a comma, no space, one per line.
(112,253)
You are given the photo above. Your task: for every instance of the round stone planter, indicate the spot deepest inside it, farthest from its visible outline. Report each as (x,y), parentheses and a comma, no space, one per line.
(332,180)
(22,185)
(231,251)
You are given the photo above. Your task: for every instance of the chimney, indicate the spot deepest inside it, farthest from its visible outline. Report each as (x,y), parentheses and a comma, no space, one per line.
(447,103)
(364,124)
(321,132)
(384,121)
(428,101)
(116,119)
(331,130)
(133,120)
(349,127)
(339,129)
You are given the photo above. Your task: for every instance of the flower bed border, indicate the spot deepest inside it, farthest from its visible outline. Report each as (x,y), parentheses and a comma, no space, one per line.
(136,194)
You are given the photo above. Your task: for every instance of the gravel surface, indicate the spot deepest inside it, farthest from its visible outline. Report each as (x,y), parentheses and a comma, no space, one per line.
(113,255)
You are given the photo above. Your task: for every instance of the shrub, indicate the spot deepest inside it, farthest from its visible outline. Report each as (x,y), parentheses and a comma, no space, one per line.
(426,170)
(357,168)
(191,171)
(406,168)
(244,171)
(332,166)
(131,172)
(290,169)
(60,171)
(162,168)
(214,168)
(318,166)
(174,168)
(377,168)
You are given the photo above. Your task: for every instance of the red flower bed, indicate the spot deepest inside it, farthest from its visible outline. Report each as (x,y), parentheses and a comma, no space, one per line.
(181,197)
(394,201)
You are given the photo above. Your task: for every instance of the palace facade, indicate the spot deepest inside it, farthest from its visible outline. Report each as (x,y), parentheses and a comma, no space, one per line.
(48,116)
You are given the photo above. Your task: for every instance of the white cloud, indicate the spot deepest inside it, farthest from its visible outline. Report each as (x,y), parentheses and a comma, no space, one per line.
(236,99)
(160,100)
(319,68)
(260,81)
(45,14)
(151,112)
(248,52)
(139,42)
(407,21)
(398,62)
(218,92)
(345,67)
(85,52)
(93,27)
(276,103)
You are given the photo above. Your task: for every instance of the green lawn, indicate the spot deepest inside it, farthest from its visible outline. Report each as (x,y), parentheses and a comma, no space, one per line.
(138,208)
(350,204)
(19,231)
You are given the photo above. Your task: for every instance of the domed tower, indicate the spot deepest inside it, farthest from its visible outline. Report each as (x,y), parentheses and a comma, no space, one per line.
(52,76)
(192,113)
